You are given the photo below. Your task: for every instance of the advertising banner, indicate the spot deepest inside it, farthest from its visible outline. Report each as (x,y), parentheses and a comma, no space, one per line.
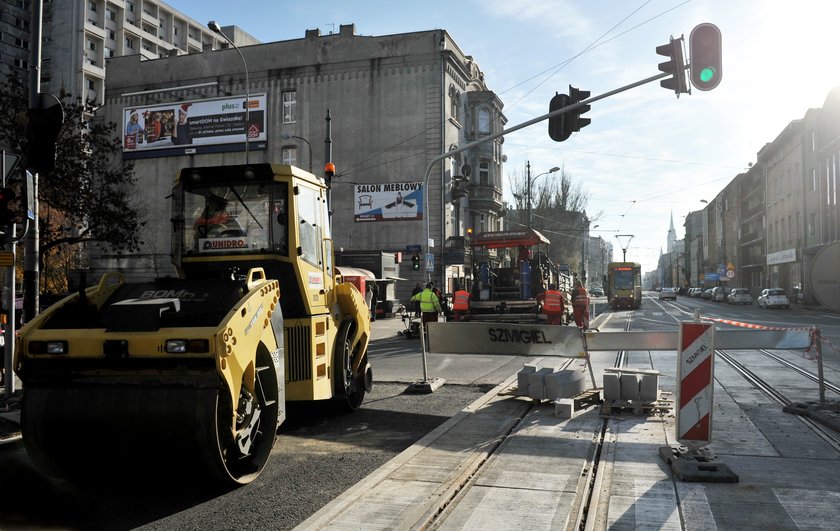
(194,123)
(388,201)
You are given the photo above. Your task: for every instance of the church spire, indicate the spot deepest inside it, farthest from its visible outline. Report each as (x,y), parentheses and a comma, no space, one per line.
(672,235)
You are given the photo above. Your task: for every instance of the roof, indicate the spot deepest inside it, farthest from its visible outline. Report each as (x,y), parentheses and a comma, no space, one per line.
(508,238)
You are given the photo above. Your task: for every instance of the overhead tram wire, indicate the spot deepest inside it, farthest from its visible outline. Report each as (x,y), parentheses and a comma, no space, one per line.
(589,48)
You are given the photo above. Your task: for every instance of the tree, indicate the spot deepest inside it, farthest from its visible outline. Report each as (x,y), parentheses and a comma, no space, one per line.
(87,197)
(558,211)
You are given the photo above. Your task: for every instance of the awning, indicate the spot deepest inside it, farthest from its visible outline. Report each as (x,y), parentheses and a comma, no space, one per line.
(355,272)
(508,238)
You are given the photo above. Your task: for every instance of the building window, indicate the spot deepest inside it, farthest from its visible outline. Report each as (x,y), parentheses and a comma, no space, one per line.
(91,46)
(289,106)
(288,155)
(484,172)
(22,63)
(812,224)
(92,6)
(454,97)
(484,121)
(814,180)
(110,14)
(813,140)
(129,43)
(22,43)
(112,35)
(22,23)
(130,6)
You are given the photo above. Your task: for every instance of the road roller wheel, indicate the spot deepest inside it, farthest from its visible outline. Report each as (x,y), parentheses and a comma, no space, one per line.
(349,387)
(243,456)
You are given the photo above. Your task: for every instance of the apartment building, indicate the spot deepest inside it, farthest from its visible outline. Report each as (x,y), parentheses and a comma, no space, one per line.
(80,36)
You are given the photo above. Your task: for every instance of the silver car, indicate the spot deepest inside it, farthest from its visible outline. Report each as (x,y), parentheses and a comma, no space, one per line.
(773,298)
(739,296)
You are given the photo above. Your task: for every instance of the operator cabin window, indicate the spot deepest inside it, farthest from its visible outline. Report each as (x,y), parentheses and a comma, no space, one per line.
(310,224)
(289,106)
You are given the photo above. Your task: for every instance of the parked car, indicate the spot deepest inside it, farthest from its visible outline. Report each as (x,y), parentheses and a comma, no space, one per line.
(719,294)
(694,292)
(668,293)
(773,298)
(706,294)
(596,292)
(739,296)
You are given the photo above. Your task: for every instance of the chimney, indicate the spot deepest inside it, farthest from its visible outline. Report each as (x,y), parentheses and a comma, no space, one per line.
(347,30)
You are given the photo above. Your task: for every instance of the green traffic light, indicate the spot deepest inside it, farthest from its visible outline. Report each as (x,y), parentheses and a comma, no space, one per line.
(707,74)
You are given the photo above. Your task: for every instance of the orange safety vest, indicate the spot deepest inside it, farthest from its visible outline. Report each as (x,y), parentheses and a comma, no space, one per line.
(553,301)
(581,297)
(461,300)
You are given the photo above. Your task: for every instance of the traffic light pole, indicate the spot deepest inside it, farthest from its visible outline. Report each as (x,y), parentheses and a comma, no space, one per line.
(490,138)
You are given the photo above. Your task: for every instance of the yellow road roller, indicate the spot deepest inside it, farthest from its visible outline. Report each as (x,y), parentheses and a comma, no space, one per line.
(194,371)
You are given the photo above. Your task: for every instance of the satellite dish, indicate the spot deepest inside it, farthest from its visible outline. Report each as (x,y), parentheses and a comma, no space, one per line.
(466,170)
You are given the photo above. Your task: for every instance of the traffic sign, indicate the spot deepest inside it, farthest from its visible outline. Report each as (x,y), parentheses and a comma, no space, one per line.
(10,161)
(730,274)
(430,262)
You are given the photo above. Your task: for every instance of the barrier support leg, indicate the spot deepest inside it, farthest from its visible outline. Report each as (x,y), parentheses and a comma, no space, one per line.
(426,385)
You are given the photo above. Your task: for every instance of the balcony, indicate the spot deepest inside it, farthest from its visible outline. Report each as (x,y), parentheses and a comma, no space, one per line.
(486,197)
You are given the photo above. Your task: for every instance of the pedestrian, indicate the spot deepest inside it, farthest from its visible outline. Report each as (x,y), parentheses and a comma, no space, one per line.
(552,305)
(415,305)
(429,305)
(580,305)
(368,293)
(460,303)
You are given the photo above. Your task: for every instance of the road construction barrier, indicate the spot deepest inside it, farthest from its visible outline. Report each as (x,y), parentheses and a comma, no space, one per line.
(695,388)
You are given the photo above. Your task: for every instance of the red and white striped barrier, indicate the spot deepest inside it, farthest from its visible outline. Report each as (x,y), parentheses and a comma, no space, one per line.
(754,326)
(695,373)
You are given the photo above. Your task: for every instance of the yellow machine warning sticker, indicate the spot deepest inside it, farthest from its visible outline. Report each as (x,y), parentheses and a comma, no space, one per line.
(316,280)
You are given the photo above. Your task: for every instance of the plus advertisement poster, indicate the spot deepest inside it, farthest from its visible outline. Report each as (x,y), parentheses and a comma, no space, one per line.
(388,201)
(185,124)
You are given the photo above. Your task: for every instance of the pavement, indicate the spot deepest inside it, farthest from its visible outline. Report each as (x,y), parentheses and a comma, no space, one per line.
(509,462)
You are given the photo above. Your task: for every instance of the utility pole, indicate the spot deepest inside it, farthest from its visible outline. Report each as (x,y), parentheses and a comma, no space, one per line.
(31,272)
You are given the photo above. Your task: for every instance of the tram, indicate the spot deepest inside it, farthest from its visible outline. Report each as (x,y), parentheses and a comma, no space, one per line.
(624,285)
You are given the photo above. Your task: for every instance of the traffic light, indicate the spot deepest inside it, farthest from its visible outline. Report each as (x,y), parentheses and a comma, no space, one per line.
(576,123)
(45,120)
(706,68)
(675,65)
(7,195)
(415,262)
(558,126)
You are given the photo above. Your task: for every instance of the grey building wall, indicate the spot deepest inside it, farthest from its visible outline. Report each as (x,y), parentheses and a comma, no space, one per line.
(391,112)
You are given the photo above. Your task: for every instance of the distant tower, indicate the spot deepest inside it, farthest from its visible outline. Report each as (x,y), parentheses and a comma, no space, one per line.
(672,235)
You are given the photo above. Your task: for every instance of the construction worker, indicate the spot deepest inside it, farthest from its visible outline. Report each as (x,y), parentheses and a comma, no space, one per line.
(460,303)
(580,305)
(552,305)
(429,305)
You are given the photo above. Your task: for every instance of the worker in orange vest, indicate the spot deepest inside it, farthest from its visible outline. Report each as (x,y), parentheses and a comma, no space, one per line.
(552,305)
(580,305)
(461,303)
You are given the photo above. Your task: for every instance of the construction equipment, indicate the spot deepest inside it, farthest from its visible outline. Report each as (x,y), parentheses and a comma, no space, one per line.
(505,285)
(197,370)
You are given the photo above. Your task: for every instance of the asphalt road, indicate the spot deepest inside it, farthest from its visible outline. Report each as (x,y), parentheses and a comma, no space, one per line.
(319,454)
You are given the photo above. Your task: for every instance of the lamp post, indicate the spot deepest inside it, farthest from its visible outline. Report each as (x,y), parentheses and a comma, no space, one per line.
(552,170)
(287,137)
(217,29)
(583,241)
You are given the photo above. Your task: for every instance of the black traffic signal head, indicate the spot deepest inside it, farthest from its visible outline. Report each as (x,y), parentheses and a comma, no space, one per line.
(7,195)
(706,66)
(558,126)
(576,95)
(415,262)
(675,65)
(45,120)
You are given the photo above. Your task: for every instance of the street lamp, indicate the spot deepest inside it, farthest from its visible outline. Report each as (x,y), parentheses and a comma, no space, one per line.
(217,29)
(287,137)
(552,170)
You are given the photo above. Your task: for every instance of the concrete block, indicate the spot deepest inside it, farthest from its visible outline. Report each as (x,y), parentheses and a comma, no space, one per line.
(612,387)
(536,383)
(629,386)
(563,384)
(564,408)
(649,387)
(522,377)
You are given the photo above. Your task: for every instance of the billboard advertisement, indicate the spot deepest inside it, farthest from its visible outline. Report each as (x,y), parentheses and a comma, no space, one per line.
(388,201)
(185,124)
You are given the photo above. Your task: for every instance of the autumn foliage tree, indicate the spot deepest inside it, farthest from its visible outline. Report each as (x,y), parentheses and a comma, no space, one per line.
(87,197)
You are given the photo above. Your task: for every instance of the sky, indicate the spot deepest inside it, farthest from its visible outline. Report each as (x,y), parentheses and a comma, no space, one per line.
(647,155)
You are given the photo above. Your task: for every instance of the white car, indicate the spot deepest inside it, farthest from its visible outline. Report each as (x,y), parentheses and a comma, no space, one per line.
(668,293)
(773,298)
(739,296)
